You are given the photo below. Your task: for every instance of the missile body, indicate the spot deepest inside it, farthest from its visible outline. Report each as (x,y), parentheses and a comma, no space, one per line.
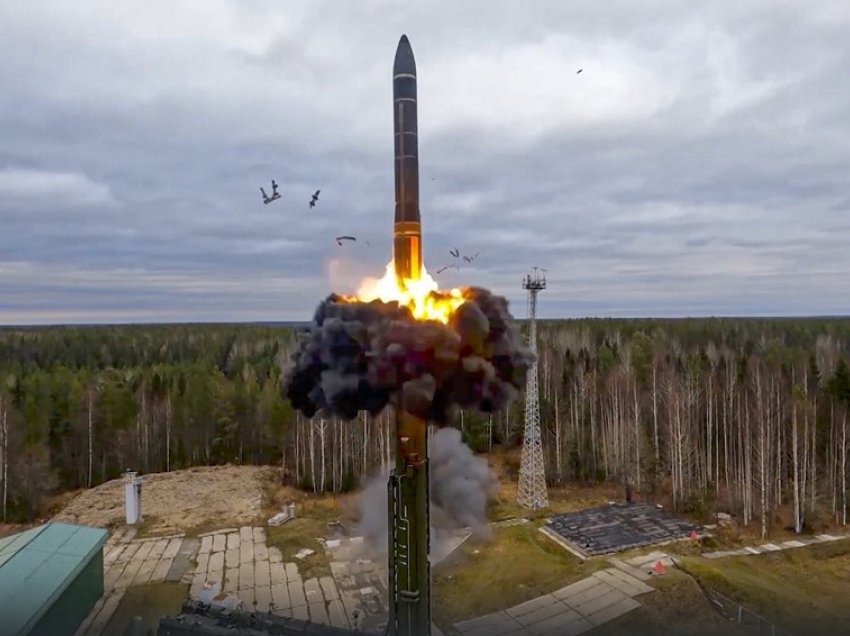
(407,228)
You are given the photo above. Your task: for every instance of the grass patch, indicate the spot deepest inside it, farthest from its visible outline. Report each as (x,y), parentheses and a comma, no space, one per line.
(802,589)
(515,564)
(311,522)
(151,602)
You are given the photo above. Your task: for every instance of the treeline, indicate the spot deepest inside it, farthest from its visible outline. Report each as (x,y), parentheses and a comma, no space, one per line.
(744,415)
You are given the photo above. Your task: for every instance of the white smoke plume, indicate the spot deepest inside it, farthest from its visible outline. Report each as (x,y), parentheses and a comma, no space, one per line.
(461,484)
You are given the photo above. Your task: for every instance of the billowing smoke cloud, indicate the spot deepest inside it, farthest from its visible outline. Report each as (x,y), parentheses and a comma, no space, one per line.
(460,483)
(362,356)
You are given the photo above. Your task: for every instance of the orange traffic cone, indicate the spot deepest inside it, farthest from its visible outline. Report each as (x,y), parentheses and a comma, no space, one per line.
(693,535)
(658,568)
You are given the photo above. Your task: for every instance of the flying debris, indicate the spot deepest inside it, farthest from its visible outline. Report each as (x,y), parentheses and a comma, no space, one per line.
(275,194)
(455,252)
(340,239)
(445,267)
(469,259)
(579,71)
(314,199)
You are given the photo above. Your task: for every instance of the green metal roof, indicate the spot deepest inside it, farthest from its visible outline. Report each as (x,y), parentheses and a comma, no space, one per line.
(37,565)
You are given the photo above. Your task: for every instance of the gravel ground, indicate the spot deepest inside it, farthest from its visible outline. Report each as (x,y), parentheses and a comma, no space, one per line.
(179,500)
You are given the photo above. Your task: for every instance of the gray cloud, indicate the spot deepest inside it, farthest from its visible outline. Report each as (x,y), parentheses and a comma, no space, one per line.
(697,165)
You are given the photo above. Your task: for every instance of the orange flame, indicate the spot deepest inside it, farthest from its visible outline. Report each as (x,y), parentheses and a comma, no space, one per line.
(423,297)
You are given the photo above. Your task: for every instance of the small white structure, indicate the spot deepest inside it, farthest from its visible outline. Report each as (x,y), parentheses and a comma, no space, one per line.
(132,497)
(280,518)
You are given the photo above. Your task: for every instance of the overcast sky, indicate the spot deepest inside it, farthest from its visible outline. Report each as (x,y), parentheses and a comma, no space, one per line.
(699,165)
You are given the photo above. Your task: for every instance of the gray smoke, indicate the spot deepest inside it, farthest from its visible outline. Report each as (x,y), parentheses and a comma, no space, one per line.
(460,483)
(363,356)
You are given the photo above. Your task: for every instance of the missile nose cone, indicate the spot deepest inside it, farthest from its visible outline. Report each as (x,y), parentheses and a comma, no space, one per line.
(404,62)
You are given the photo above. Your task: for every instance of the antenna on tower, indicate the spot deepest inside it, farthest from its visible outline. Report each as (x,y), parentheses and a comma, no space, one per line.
(531,492)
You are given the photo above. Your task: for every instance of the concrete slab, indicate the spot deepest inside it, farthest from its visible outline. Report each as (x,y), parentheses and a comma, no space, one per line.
(336,614)
(219,531)
(275,555)
(598,603)
(262,576)
(143,576)
(644,559)
(531,606)
(329,590)
(216,564)
(297,598)
(113,554)
(277,573)
(259,535)
(261,552)
(231,580)
(618,584)
(84,626)
(579,626)
(587,595)
(127,553)
(555,622)
(280,596)
(544,613)
(611,612)
(318,613)
(160,571)
(292,571)
(206,545)
(247,597)
(753,550)
(313,591)
(158,549)
(793,544)
(246,552)
(488,620)
(246,575)
(506,628)
(263,596)
(575,588)
(219,543)
(301,612)
(233,541)
(231,558)
(642,573)
(770,547)
(639,585)
(109,606)
(129,573)
(246,534)
(186,550)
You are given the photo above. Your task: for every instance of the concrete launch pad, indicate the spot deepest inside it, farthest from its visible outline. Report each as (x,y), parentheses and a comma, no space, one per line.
(616,527)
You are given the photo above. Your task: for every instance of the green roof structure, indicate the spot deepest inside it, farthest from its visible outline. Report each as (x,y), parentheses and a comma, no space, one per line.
(50,578)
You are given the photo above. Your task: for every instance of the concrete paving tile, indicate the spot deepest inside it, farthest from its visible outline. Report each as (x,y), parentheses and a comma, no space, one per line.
(206,545)
(544,613)
(143,576)
(262,576)
(793,544)
(277,573)
(531,606)
(246,552)
(588,594)
(292,571)
(575,588)
(246,534)
(172,548)
(301,612)
(158,549)
(336,614)
(231,558)
(638,584)
(770,547)
(261,552)
(84,626)
(109,606)
(313,591)
(127,553)
(641,573)
(202,562)
(275,555)
(219,542)
(246,575)
(488,620)
(112,574)
(318,613)
(231,580)
(247,597)
(112,555)
(600,602)
(233,541)
(160,571)
(129,573)
(259,535)
(280,596)
(611,612)
(218,531)
(329,590)
(571,629)
(507,626)
(216,562)
(263,596)
(554,621)
(296,593)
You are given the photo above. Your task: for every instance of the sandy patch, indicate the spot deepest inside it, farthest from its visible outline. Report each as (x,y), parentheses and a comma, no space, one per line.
(212,496)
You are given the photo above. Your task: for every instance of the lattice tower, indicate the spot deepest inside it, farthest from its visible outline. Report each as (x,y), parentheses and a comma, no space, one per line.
(531,492)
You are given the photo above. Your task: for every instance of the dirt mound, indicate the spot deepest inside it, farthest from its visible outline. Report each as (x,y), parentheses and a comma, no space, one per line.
(195,498)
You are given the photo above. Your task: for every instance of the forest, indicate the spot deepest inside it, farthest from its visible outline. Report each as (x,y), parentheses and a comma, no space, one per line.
(747,416)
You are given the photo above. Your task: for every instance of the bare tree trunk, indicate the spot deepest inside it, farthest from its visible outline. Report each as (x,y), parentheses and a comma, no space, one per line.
(168,432)
(844,468)
(655,413)
(5,458)
(798,521)
(91,451)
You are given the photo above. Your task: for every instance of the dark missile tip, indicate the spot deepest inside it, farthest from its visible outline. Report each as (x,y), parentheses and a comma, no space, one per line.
(404,62)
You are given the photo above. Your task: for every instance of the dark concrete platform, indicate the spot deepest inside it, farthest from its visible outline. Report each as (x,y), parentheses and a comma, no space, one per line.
(617,527)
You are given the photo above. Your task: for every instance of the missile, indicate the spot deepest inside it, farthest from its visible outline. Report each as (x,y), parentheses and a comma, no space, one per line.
(407,227)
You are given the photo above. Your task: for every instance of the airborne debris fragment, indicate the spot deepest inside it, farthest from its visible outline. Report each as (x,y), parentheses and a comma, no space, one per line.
(314,199)
(340,239)
(275,194)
